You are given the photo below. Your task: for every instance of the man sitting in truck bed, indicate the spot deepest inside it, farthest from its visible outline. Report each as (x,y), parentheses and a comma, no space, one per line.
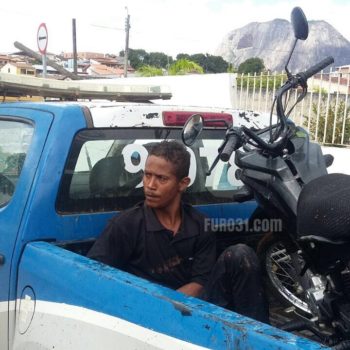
(165,241)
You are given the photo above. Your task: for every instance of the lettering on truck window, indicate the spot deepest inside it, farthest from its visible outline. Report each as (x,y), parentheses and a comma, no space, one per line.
(104,173)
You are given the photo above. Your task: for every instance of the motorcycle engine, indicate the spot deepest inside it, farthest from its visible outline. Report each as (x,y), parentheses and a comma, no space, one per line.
(315,294)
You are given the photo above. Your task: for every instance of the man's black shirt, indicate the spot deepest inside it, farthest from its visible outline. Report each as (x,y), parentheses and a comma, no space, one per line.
(135,241)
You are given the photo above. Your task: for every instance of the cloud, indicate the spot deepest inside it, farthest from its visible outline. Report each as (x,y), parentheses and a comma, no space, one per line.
(187,26)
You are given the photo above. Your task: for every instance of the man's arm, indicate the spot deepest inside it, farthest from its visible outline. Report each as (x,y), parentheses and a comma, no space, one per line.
(192,289)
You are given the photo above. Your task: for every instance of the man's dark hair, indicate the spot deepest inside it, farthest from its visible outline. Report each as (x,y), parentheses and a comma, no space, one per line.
(175,153)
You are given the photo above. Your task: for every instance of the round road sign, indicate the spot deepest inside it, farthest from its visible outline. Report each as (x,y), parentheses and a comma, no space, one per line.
(42,38)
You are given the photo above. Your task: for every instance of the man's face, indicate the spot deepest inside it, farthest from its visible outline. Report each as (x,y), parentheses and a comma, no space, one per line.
(161,186)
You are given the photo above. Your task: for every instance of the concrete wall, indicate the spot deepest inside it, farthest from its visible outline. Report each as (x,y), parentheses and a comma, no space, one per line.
(341,162)
(203,90)
(206,90)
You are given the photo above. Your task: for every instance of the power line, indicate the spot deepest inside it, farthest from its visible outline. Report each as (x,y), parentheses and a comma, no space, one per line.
(105,27)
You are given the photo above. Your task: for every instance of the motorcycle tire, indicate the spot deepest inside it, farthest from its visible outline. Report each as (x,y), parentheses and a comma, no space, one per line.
(276,263)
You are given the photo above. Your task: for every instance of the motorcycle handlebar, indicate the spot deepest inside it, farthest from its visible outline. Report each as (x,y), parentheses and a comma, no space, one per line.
(316,68)
(233,143)
(234,140)
(301,79)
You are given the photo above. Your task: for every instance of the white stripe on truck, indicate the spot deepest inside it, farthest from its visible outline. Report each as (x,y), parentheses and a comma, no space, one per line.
(61,326)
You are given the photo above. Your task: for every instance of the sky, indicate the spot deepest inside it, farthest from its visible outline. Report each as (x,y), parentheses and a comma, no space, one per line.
(169,26)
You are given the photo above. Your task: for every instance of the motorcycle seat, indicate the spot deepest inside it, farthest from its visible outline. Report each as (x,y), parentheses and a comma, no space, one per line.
(319,239)
(323,210)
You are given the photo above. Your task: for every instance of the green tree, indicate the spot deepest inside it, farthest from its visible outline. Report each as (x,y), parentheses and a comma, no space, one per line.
(137,58)
(200,59)
(231,68)
(210,63)
(251,65)
(184,66)
(215,64)
(329,122)
(159,59)
(149,71)
(183,55)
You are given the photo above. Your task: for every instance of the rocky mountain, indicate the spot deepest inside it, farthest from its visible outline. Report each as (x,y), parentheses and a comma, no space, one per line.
(272,41)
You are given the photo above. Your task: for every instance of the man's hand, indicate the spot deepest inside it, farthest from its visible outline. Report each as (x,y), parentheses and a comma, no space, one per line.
(192,289)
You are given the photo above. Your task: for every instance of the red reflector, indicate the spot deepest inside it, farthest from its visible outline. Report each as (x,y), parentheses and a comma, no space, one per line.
(179,118)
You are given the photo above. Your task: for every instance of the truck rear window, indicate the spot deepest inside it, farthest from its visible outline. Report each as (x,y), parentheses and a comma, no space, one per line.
(15,138)
(105,168)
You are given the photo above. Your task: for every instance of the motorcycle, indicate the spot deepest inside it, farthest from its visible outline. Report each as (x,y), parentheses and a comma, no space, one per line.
(275,164)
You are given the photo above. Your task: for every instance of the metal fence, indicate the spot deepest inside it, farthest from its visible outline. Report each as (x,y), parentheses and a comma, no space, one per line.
(324,112)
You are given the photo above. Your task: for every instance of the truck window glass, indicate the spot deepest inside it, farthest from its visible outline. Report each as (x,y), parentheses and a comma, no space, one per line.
(105,168)
(15,138)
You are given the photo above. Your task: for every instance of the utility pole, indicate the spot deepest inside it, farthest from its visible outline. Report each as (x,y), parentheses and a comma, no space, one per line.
(75,55)
(126,53)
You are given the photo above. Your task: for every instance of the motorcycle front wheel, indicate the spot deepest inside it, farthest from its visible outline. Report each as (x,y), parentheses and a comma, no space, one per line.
(280,273)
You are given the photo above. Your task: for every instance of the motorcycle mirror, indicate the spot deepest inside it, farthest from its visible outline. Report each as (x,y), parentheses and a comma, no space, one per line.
(192,129)
(299,23)
(301,31)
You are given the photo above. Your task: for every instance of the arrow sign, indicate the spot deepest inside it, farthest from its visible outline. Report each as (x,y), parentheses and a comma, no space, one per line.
(42,38)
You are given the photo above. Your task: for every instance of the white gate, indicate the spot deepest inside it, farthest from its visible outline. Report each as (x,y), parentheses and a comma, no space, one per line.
(325,111)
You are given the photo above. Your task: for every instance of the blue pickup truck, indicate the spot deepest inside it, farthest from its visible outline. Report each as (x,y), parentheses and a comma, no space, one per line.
(65,170)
